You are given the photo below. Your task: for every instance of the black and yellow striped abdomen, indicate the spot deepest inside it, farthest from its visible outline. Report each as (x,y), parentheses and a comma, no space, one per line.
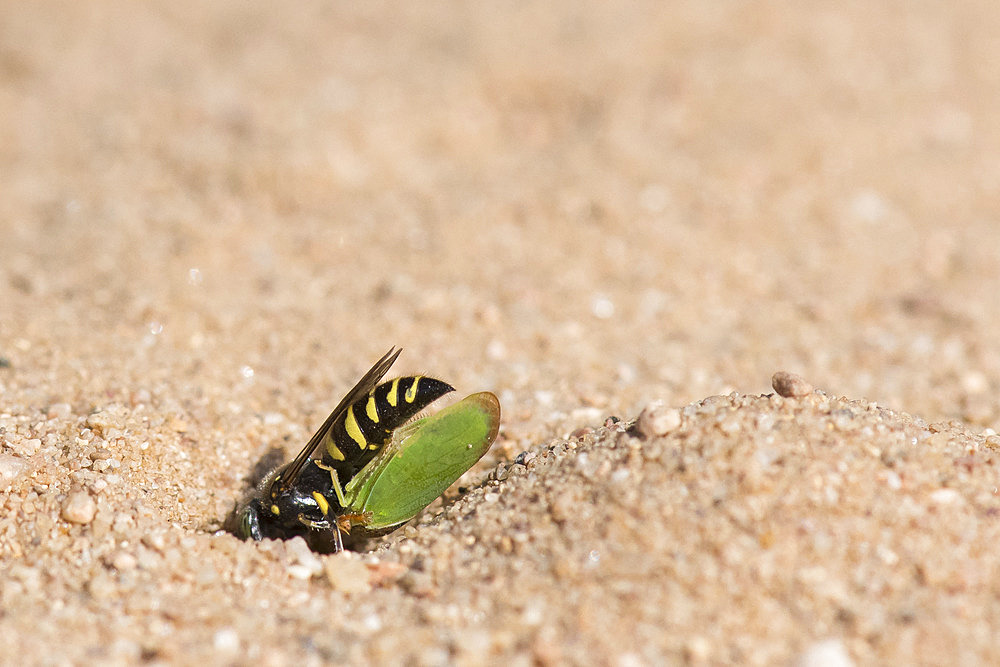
(368,424)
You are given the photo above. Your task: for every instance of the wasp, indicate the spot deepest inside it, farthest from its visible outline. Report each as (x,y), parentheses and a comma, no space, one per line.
(370,464)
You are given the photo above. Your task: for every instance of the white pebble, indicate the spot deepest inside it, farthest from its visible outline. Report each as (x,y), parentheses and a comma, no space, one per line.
(825,653)
(273,418)
(602,308)
(945,496)
(27,447)
(124,561)
(226,640)
(306,562)
(657,420)
(10,468)
(347,574)
(372,622)
(496,350)
(79,508)
(869,206)
(59,411)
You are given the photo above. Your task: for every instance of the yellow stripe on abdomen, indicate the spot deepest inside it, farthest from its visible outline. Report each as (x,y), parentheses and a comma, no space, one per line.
(411,393)
(353,430)
(333,450)
(393,396)
(371,409)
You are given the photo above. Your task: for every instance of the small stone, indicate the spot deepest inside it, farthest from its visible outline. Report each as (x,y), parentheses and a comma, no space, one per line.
(524,458)
(790,385)
(347,574)
(658,420)
(124,561)
(10,468)
(226,640)
(945,496)
(496,350)
(602,307)
(59,411)
(79,508)
(26,448)
(380,573)
(420,584)
(697,649)
(825,653)
(273,418)
(101,421)
(306,563)
(155,540)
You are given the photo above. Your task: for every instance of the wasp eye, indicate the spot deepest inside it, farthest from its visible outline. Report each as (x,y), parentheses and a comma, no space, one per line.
(249,522)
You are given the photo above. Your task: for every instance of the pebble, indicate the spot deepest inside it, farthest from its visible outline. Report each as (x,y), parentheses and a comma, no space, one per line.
(226,640)
(27,447)
(299,572)
(306,562)
(79,508)
(602,307)
(658,420)
(825,653)
(59,411)
(102,420)
(124,561)
(698,649)
(380,573)
(10,468)
(347,574)
(790,385)
(945,496)
(524,458)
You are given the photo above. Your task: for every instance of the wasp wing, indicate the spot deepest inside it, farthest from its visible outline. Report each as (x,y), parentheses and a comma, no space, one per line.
(364,385)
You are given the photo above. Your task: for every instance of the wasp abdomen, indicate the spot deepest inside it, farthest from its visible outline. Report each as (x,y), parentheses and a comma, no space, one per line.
(370,421)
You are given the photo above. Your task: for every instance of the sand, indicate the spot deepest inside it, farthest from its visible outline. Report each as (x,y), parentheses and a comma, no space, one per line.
(216,217)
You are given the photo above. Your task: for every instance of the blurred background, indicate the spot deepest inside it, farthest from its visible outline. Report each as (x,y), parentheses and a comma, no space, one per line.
(580,206)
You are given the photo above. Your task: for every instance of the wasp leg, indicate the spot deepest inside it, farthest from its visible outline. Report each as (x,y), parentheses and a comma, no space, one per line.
(313,524)
(337,489)
(338,541)
(326,524)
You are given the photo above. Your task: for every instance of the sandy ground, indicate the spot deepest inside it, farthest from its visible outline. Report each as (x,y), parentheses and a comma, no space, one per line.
(216,217)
